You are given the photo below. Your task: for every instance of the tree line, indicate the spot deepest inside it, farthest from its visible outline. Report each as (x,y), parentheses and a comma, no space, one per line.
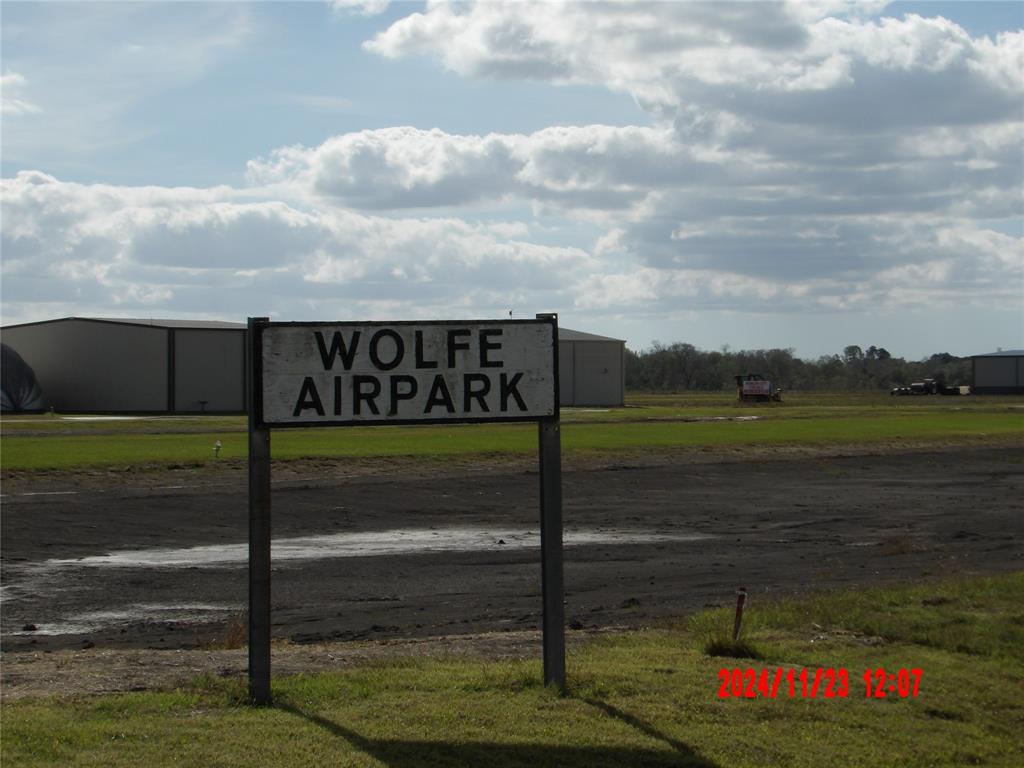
(681,366)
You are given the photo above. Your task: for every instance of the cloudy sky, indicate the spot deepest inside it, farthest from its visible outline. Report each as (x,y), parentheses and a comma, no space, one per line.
(806,175)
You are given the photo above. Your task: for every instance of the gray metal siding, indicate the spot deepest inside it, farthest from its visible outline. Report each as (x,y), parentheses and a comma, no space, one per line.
(591,373)
(102,367)
(566,384)
(995,371)
(598,373)
(208,366)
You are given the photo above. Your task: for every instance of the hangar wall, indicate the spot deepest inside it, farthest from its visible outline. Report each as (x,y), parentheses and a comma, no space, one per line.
(198,353)
(998,373)
(591,369)
(135,366)
(84,365)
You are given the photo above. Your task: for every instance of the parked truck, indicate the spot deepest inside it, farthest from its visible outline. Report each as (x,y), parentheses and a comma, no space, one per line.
(930,387)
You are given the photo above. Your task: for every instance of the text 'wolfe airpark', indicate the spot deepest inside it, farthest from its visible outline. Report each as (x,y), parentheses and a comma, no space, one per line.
(408,372)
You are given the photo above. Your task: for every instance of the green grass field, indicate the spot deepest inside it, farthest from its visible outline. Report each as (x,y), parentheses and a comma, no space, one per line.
(646,698)
(650,422)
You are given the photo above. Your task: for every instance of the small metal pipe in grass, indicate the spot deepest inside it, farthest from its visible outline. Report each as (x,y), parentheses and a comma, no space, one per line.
(741,598)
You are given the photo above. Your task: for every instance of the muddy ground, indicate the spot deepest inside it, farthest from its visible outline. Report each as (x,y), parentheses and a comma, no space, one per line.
(418,558)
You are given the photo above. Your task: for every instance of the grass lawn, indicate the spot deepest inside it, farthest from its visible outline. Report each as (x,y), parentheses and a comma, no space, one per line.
(651,423)
(646,698)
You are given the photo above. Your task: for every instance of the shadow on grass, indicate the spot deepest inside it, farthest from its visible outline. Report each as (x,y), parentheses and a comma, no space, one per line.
(733,649)
(397,753)
(683,750)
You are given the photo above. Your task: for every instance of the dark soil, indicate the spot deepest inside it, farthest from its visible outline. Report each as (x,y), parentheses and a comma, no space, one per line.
(775,526)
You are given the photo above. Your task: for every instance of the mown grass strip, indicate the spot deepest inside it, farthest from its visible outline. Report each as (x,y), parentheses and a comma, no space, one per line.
(72,451)
(639,407)
(637,699)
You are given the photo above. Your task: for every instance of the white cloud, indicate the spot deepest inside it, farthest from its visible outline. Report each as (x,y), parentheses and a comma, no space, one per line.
(221,251)
(662,52)
(213,251)
(320,103)
(755,85)
(799,158)
(921,267)
(818,155)
(12,102)
(595,166)
(361,7)
(393,167)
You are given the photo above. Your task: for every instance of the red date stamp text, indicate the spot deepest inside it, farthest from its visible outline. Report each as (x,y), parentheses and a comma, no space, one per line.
(821,683)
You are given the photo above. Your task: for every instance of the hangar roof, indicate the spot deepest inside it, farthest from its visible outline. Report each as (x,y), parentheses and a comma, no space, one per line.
(564,334)
(175,323)
(156,323)
(568,334)
(1004,353)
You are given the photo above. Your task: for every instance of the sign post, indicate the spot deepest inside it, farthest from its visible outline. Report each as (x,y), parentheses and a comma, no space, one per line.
(438,372)
(552,587)
(259,535)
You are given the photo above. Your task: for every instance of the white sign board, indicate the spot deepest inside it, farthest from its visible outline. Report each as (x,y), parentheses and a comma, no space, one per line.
(757,388)
(354,373)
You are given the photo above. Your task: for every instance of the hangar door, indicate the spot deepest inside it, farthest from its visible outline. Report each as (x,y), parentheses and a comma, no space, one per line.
(995,371)
(590,370)
(209,370)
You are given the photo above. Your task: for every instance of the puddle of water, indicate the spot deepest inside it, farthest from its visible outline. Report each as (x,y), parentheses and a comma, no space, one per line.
(40,578)
(368,544)
(47,493)
(91,621)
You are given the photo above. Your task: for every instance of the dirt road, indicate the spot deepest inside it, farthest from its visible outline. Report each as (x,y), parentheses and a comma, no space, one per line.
(451,553)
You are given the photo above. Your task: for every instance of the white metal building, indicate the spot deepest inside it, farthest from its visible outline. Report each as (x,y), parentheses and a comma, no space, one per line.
(998,373)
(135,366)
(591,369)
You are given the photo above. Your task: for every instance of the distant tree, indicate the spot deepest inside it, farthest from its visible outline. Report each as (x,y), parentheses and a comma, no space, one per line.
(682,366)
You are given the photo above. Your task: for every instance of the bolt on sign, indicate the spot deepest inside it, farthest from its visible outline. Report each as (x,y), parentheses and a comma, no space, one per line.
(355,373)
(343,374)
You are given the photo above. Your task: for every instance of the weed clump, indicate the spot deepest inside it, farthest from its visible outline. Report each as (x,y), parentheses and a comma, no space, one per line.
(232,636)
(732,649)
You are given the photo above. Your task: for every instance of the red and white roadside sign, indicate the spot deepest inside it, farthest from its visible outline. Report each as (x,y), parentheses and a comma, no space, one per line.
(757,388)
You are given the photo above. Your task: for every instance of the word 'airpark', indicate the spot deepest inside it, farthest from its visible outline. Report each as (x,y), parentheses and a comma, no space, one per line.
(346,373)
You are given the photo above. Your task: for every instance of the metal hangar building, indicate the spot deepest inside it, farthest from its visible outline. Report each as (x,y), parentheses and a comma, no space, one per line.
(95,365)
(998,373)
(91,365)
(591,369)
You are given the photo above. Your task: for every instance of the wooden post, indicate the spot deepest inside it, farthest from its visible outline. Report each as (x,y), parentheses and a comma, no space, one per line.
(741,598)
(259,534)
